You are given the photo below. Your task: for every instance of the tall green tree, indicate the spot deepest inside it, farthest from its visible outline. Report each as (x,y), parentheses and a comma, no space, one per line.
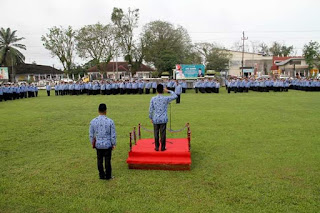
(125,24)
(192,56)
(214,56)
(204,49)
(218,59)
(275,49)
(61,43)
(9,49)
(263,48)
(166,45)
(286,51)
(96,42)
(278,49)
(311,53)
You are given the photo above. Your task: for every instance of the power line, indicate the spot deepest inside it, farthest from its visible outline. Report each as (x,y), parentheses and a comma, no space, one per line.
(262,31)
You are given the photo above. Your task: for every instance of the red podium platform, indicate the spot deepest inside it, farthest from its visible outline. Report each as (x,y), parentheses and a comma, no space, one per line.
(177,155)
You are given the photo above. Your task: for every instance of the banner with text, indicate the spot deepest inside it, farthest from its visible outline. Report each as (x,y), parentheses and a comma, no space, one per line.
(189,71)
(4,73)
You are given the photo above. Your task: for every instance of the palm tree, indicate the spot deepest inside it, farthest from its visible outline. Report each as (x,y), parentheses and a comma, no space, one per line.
(9,54)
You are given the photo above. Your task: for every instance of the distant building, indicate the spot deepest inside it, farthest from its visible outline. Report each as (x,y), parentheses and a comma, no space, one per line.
(118,70)
(34,72)
(291,67)
(253,64)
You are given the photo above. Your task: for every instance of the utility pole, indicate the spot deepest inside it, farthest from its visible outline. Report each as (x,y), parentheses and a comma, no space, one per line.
(243,39)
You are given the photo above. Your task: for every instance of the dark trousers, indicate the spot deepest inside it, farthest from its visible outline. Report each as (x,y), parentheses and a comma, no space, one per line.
(154,90)
(48,92)
(162,129)
(178,99)
(104,155)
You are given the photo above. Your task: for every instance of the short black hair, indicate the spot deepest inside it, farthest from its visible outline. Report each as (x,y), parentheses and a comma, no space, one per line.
(160,88)
(102,108)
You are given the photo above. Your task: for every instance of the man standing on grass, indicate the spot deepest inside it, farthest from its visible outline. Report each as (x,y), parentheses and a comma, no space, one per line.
(178,91)
(48,88)
(102,134)
(158,115)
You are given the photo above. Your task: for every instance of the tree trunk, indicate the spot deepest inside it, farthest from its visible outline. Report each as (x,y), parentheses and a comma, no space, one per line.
(13,74)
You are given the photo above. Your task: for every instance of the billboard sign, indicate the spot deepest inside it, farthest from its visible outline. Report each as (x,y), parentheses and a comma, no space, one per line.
(184,71)
(4,73)
(248,70)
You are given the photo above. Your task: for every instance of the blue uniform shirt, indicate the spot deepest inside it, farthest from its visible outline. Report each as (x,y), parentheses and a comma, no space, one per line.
(104,130)
(154,85)
(159,106)
(178,89)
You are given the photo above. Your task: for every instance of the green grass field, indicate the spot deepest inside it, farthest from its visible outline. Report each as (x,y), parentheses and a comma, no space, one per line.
(255,152)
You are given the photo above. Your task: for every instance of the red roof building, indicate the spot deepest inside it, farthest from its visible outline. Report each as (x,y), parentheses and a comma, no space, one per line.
(277,59)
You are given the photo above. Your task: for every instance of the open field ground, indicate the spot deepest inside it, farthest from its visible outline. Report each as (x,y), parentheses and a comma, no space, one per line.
(255,152)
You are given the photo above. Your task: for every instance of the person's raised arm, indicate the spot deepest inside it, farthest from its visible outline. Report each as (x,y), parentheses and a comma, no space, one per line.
(172,96)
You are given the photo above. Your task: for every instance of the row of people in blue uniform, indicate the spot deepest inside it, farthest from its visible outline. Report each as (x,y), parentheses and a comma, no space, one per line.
(10,91)
(113,87)
(266,85)
(207,85)
(258,85)
(305,84)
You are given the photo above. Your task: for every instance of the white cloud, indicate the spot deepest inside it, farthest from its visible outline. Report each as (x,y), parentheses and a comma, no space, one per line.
(292,22)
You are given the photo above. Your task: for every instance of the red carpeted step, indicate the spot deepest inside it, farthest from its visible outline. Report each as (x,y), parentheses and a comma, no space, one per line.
(176,157)
(153,153)
(142,160)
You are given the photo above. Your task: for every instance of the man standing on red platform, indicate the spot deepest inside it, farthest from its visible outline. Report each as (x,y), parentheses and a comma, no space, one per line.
(158,115)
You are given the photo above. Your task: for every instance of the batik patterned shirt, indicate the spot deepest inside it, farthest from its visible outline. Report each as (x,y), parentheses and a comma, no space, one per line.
(159,106)
(103,129)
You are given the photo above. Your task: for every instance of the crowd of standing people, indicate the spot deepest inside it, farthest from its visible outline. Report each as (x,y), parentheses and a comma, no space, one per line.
(113,87)
(268,84)
(207,85)
(10,91)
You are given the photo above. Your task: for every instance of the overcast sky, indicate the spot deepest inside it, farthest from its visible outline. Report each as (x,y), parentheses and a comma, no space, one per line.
(292,22)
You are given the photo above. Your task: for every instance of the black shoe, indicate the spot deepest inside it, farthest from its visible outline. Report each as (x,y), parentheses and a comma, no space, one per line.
(103,177)
(163,149)
(157,149)
(112,177)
